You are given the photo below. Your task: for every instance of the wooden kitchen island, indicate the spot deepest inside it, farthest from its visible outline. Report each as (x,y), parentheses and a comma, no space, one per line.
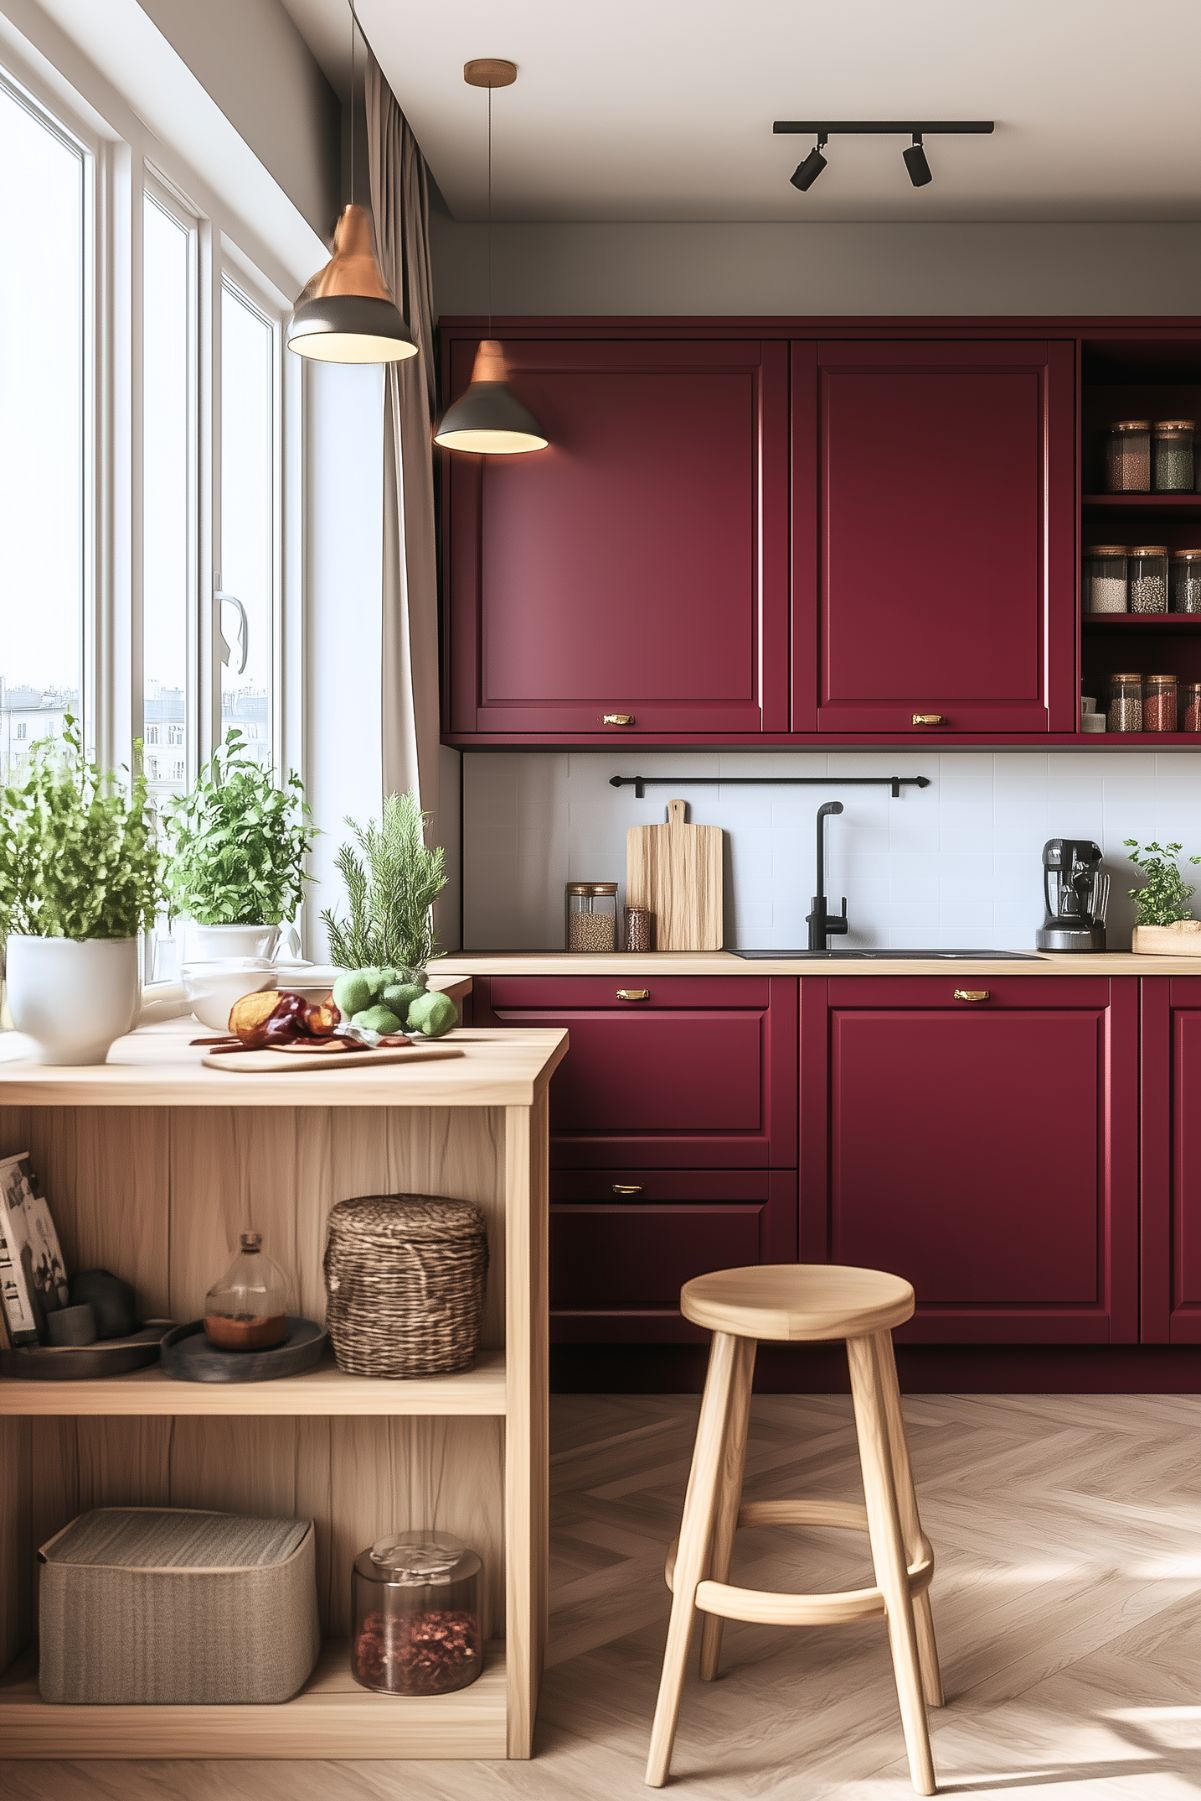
(153,1164)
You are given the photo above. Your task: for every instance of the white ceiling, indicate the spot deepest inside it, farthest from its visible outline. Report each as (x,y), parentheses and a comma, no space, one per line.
(662,109)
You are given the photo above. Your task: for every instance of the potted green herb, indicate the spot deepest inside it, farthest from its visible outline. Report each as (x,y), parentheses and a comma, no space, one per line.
(392,880)
(1164,924)
(79,882)
(236,847)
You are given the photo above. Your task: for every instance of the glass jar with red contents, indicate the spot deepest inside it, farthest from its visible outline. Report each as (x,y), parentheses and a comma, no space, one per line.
(1190,706)
(416,1607)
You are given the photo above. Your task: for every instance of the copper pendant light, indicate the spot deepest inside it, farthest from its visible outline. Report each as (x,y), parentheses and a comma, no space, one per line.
(346,313)
(488,418)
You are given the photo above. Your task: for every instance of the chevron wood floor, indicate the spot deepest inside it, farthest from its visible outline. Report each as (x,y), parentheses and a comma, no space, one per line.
(1067,1600)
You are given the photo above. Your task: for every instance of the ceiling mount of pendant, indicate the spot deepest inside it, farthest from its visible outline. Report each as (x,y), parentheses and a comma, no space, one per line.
(489,72)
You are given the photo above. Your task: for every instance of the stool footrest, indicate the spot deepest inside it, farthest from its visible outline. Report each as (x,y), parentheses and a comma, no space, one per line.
(769,1607)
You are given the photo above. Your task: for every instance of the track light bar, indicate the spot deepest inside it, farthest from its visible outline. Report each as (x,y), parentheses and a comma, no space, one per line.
(857,128)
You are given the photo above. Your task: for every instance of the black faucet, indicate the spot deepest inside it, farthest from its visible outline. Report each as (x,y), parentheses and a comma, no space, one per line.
(821,921)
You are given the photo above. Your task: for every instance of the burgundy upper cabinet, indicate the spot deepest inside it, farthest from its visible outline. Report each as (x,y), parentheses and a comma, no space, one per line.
(933,537)
(983,1141)
(631,579)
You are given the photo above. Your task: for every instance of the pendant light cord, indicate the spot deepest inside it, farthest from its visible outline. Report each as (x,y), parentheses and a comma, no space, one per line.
(353,22)
(489,209)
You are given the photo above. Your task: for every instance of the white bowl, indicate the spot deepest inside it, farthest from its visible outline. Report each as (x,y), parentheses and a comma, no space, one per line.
(212,988)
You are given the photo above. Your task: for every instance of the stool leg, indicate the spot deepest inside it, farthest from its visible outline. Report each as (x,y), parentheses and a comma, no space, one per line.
(888,1556)
(911,1527)
(692,1556)
(729,1497)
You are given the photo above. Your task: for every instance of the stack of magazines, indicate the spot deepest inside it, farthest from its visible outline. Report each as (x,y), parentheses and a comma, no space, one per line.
(33,1277)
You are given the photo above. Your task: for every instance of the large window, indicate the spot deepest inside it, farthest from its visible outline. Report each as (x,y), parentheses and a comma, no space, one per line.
(248,560)
(45,429)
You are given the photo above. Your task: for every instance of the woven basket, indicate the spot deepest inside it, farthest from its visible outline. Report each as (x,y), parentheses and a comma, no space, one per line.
(404,1277)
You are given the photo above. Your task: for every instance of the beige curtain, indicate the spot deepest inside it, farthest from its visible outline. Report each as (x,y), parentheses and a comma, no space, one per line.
(400,210)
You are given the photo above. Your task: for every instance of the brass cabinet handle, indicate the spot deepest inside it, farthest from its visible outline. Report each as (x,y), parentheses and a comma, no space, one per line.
(627,1188)
(617,719)
(633,994)
(927,719)
(971,994)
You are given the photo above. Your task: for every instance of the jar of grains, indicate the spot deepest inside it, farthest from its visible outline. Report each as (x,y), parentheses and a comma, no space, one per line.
(1128,457)
(591,916)
(1172,456)
(1190,706)
(416,1599)
(1105,578)
(1147,569)
(1125,703)
(639,928)
(1186,581)
(1159,704)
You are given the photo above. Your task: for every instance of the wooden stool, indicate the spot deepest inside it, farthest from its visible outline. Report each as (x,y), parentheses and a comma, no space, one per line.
(801,1303)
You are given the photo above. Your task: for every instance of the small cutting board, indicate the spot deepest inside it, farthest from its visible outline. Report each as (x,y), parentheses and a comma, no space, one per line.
(258,1062)
(675,871)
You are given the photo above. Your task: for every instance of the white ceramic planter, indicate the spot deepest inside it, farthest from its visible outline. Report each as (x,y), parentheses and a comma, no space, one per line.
(217,944)
(73,997)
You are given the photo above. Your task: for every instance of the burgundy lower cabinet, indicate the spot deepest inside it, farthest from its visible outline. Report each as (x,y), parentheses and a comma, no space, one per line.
(624,1241)
(1171,1160)
(669,1072)
(985,1147)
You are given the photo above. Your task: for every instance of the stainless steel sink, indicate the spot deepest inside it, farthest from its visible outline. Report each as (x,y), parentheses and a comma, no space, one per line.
(871,954)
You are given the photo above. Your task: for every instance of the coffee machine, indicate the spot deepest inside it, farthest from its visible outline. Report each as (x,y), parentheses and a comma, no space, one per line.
(1076,891)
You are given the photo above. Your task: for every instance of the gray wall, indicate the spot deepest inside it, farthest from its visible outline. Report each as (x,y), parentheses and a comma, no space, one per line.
(785,268)
(251,59)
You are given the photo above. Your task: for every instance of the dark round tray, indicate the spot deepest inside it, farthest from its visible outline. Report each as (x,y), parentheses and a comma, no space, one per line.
(189,1357)
(73,1363)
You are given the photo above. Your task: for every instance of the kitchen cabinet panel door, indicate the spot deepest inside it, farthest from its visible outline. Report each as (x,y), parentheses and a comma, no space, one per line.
(638,566)
(934,537)
(986,1152)
(1171,1159)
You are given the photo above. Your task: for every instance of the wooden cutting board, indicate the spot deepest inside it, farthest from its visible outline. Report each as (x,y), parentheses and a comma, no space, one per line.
(675,870)
(252,1062)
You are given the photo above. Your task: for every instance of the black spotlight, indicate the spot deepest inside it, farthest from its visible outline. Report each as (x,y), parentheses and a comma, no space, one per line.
(915,162)
(806,173)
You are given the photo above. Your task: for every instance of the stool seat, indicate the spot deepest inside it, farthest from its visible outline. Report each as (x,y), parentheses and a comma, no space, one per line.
(798,1302)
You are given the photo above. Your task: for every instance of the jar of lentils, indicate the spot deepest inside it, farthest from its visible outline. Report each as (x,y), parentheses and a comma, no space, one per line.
(1190,706)
(1186,581)
(1105,578)
(591,922)
(1172,456)
(1128,457)
(1125,703)
(1147,569)
(1159,704)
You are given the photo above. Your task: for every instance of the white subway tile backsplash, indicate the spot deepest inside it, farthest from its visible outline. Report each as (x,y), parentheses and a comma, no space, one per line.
(956,863)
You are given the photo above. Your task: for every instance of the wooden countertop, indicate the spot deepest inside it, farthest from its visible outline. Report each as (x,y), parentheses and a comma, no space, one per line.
(724,963)
(156,1066)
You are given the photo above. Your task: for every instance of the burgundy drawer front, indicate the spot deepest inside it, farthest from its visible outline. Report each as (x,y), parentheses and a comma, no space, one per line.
(1026,993)
(648,1187)
(712,993)
(659,1084)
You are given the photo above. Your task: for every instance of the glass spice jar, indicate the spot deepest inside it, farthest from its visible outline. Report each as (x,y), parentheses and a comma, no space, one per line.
(1186,581)
(1172,456)
(1128,457)
(591,916)
(1190,706)
(1147,569)
(1159,704)
(639,922)
(1105,578)
(415,1604)
(247,1310)
(1125,703)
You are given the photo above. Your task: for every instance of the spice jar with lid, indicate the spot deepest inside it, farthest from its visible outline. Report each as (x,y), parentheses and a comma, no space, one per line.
(1147,569)
(639,922)
(1159,704)
(1128,457)
(591,916)
(1105,578)
(1190,706)
(415,1602)
(247,1310)
(1125,703)
(1186,581)
(1172,456)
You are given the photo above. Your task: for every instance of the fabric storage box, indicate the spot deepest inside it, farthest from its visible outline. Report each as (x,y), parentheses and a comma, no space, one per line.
(166,1605)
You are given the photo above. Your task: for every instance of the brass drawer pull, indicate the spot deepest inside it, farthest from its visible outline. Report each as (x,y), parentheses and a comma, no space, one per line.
(633,994)
(617,719)
(927,719)
(627,1188)
(971,994)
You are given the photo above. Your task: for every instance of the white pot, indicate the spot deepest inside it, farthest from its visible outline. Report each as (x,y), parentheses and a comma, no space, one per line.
(213,987)
(73,997)
(213,944)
